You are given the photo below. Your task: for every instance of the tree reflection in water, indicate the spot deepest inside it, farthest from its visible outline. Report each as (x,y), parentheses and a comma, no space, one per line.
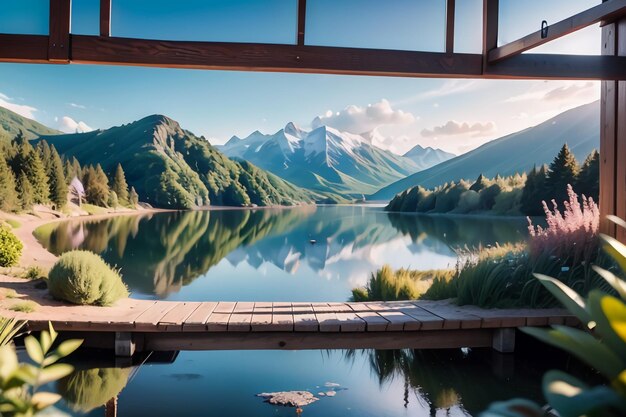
(452,382)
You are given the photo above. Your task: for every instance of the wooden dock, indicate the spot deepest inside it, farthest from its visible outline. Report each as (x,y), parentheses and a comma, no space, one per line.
(133,325)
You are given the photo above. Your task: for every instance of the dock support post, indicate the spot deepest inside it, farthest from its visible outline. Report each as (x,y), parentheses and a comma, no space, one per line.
(124,344)
(504,340)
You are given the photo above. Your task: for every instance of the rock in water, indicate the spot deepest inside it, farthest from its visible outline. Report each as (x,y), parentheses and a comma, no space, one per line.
(289,398)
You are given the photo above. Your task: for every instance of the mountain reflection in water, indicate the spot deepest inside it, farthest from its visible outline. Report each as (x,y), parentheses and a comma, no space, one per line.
(160,254)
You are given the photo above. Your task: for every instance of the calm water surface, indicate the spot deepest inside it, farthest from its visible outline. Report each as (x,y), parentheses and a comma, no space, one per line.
(367,383)
(300,254)
(269,255)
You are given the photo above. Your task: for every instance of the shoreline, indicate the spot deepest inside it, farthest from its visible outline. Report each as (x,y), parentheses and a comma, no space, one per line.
(33,253)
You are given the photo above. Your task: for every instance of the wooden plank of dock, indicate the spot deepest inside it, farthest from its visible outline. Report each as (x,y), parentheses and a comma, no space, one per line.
(282,325)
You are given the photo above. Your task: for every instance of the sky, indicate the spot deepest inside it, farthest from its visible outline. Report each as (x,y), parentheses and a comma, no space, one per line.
(454,115)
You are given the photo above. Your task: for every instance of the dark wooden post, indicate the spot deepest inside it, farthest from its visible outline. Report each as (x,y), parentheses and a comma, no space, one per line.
(301,21)
(110,408)
(613,135)
(450,9)
(59,33)
(490,29)
(105,18)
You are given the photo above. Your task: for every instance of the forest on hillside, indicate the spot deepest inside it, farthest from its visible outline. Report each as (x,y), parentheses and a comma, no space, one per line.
(32,175)
(522,193)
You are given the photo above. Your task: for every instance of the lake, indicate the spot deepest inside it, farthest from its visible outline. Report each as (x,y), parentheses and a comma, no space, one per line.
(392,383)
(299,254)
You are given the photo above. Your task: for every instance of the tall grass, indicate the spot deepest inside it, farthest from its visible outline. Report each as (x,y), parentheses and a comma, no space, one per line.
(388,284)
(571,236)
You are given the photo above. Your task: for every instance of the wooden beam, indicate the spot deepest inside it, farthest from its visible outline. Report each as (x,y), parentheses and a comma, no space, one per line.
(490,28)
(559,67)
(105,18)
(450,9)
(620,136)
(603,12)
(24,48)
(59,34)
(301,21)
(608,151)
(433,339)
(273,58)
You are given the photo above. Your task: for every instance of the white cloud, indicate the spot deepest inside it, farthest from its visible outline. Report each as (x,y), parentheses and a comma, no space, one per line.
(21,109)
(448,88)
(357,119)
(76,106)
(68,125)
(568,92)
(453,128)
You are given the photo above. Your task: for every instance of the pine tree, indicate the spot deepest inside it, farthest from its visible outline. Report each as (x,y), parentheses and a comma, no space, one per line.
(133,198)
(96,186)
(45,154)
(120,187)
(589,178)
(58,184)
(9,199)
(37,177)
(535,191)
(563,171)
(480,183)
(26,192)
(73,170)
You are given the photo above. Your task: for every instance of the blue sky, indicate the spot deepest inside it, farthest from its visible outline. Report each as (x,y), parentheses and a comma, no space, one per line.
(456,115)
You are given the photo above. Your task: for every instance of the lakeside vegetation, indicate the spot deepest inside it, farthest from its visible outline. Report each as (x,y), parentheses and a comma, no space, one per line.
(519,194)
(501,276)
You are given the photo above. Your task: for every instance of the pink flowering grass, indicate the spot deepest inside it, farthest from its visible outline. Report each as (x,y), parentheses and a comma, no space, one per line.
(571,236)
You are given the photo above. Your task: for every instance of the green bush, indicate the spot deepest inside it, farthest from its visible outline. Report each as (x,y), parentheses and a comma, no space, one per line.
(10,247)
(82,277)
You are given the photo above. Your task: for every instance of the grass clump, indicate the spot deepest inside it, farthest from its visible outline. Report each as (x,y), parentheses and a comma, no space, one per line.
(82,277)
(10,247)
(13,223)
(92,209)
(8,293)
(402,284)
(34,272)
(24,306)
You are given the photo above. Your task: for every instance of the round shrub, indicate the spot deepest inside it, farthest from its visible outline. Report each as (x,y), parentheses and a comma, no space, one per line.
(82,277)
(10,247)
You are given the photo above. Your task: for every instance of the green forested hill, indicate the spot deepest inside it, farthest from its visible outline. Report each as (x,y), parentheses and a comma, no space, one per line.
(12,123)
(171,167)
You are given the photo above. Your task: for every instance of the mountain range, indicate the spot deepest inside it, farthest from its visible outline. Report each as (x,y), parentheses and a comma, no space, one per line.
(330,161)
(517,152)
(171,167)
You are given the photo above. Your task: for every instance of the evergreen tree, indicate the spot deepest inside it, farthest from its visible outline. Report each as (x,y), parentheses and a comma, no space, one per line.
(45,154)
(73,170)
(37,177)
(96,186)
(26,192)
(133,198)
(589,178)
(9,199)
(564,170)
(113,200)
(58,184)
(535,191)
(480,183)
(120,187)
